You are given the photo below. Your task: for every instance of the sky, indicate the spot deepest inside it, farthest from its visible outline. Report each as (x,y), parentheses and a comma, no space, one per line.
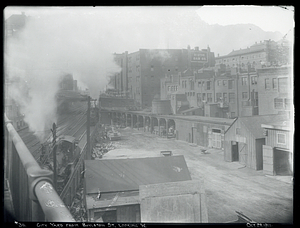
(268,18)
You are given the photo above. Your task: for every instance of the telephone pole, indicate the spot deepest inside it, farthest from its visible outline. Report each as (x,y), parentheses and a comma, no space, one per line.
(88,140)
(54,154)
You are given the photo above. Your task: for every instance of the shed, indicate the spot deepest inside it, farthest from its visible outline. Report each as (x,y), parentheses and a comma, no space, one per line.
(112,185)
(201,130)
(180,202)
(278,151)
(244,140)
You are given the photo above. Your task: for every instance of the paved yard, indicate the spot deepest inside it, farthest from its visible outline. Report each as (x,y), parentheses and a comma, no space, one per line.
(229,186)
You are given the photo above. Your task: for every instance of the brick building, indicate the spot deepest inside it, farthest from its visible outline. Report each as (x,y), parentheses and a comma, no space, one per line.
(120,80)
(274,90)
(250,57)
(147,66)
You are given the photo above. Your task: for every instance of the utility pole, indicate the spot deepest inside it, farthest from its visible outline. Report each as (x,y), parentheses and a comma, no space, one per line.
(54,154)
(88,140)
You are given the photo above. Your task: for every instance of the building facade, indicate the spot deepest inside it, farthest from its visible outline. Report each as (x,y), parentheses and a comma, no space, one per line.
(278,153)
(275,90)
(264,53)
(147,66)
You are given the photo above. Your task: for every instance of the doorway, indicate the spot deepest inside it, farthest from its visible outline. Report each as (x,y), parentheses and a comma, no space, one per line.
(282,162)
(235,151)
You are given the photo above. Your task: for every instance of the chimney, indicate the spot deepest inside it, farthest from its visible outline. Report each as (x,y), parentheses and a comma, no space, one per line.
(218,54)
(188,47)
(197,48)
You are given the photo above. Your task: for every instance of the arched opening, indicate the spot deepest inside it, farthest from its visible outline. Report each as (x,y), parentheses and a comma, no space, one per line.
(134,119)
(171,131)
(162,127)
(147,123)
(155,129)
(128,116)
(141,121)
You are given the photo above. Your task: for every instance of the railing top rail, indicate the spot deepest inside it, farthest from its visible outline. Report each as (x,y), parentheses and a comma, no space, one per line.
(39,180)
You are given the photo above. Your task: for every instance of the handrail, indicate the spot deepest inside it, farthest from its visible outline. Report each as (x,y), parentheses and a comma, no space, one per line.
(52,205)
(37,178)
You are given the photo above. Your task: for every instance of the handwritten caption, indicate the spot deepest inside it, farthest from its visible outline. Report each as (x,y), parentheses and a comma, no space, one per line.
(84,225)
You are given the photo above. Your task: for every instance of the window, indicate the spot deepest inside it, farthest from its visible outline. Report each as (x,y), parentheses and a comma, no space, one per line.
(224,82)
(203,96)
(275,83)
(219,82)
(254,80)
(230,84)
(244,95)
(209,97)
(238,131)
(208,85)
(199,84)
(218,97)
(193,93)
(244,80)
(231,97)
(225,97)
(281,138)
(278,103)
(169,88)
(287,103)
(192,85)
(283,85)
(267,83)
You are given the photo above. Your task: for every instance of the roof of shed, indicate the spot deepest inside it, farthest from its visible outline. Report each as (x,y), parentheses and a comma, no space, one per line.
(253,123)
(115,175)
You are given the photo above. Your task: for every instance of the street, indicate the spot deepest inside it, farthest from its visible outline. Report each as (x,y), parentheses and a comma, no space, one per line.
(229,186)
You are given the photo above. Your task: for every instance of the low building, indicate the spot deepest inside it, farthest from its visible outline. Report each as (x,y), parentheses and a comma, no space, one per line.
(244,140)
(201,130)
(278,150)
(112,185)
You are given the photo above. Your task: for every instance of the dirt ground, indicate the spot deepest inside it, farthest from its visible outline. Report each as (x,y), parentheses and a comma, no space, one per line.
(229,186)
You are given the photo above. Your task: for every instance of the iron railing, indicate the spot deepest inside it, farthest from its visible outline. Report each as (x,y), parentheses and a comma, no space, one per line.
(33,196)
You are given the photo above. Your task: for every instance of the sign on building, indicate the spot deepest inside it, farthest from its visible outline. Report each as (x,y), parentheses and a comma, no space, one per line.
(199,56)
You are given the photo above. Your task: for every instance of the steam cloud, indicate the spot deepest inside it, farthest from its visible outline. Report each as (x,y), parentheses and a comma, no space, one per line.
(47,48)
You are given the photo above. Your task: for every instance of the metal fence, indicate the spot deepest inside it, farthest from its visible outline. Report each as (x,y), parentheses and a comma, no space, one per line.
(33,196)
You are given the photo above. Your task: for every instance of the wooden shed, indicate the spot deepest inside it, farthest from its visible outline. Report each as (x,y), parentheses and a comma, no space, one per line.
(244,140)
(112,185)
(180,202)
(278,151)
(201,130)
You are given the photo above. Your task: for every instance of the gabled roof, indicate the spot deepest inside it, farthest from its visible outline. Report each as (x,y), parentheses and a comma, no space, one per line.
(253,123)
(115,175)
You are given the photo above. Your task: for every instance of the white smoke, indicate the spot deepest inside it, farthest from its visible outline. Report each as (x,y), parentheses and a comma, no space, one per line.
(48,47)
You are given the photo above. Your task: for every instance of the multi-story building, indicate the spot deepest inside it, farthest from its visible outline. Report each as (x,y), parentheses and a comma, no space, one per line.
(120,79)
(220,92)
(266,53)
(275,90)
(147,66)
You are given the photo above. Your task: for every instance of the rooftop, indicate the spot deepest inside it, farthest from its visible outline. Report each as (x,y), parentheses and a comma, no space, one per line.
(118,175)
